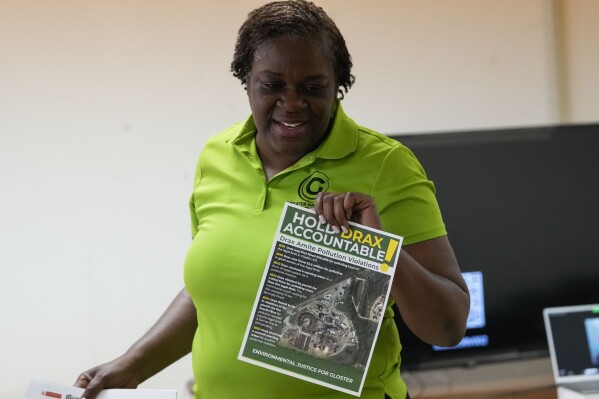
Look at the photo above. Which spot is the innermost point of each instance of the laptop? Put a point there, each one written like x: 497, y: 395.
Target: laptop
x: 573, y: 338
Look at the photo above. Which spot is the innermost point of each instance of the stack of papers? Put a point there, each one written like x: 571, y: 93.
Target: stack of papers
x: 39, y: 389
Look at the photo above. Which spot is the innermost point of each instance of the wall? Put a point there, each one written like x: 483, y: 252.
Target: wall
x: 579, y: 60
x: 105, y: 105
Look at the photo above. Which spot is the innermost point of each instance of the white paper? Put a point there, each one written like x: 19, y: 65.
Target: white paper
x: 40, y: 389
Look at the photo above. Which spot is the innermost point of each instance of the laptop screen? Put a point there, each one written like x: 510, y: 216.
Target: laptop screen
x: 573, y: 337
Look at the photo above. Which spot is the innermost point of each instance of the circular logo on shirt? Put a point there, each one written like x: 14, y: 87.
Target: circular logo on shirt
x: 312, y: 185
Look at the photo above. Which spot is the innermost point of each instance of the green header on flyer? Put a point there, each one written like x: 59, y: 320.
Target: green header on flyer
x: 372, y: 245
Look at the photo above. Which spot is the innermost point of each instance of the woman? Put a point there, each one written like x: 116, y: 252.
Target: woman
x: 297, y: 146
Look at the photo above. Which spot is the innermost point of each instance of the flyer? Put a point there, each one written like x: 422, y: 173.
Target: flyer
x: 321, y: 300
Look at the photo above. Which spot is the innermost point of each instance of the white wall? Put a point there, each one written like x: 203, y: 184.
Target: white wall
x: 579, y: 60
x: 105, y: 105
x: 434, y: 65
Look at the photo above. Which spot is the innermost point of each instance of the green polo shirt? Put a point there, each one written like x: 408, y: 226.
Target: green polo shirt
x: 235, y: 213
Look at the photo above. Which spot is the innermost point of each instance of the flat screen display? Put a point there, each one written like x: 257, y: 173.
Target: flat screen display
x: 521, y: 207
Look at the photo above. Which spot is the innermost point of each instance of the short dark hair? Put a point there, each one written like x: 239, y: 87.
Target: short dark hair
x: 298, y: 18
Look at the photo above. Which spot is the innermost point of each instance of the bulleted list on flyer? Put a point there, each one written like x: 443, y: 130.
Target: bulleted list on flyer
x: 321, y: 300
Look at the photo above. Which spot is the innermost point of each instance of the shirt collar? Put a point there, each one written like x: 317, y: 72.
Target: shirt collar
x: 343, y: 138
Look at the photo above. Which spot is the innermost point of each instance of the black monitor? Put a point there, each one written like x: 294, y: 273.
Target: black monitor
x: 521, y: 208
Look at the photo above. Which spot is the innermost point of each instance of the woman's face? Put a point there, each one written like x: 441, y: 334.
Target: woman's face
x: 292, y: 93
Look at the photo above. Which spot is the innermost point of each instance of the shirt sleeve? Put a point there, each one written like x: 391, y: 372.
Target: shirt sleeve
x: 192, y: 205
x: 406, y: 198
x: 194, y: 217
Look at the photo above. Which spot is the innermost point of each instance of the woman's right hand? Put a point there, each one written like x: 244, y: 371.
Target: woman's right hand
x: 119, y: 373
x: 168, y: 340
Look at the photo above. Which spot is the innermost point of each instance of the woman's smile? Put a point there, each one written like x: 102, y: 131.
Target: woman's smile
x: 291, y: 129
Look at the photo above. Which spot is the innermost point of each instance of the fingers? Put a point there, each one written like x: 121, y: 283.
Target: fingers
x: 106, y: 376
x: 330, y: 208
x: 92, y: 385
x: 337, y: 209
x: 91, y: 392
x: 82, y: 381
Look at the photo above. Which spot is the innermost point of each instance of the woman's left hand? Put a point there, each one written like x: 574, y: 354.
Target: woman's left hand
x: 337, y: 209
